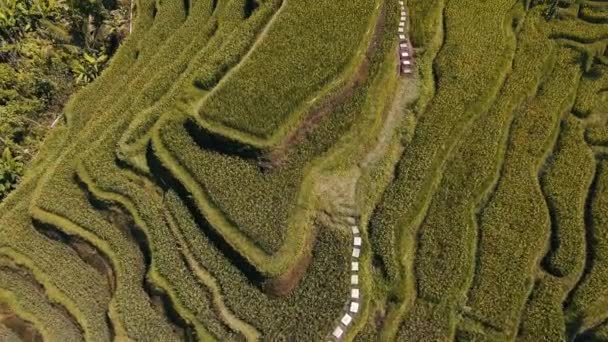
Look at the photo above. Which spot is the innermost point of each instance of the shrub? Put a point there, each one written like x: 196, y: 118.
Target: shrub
x: 11, y: 169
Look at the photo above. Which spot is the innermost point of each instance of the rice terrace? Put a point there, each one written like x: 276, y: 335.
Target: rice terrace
x: 299, y: 170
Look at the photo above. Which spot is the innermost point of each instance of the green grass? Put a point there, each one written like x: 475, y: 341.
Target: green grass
x: 227, y: 37
x: 436, y: 133
x: 189, y: 299
x: 383, y: 240
x: 128, y: 299
x: 439, y: 250
x: 128, y: 265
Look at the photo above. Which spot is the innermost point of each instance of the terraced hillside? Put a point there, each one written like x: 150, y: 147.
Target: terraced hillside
x: 276, y: 170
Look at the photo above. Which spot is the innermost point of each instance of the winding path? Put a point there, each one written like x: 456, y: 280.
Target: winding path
x: 353, y: 304
x: 352, y: 308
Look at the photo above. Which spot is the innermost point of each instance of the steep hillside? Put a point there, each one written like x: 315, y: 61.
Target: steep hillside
x: 298, y: 170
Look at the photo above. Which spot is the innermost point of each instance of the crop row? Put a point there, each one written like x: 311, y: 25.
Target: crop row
x: 542, y: 318
x: 116, y: 100
x: 364, y: 158
x: 590, y: 101
x: 576, y: 30
x: 228, y: 43
x: 447, y: 239
x: 29, y: 302
x: 597, y: 135
x: 83, y: 106
x: 306, y: 313
x: 594, y: 12
x: 437, y: 132
x: 116, y: 186
x: 191, y: 301
x: 71, y: 282
x: 273, y: 317
x: 90, y: 310
x: 588, y: 301
x: 109, y: 182
x: 446, y: 250
x: 212, y: 52
x: 514, y: 224
x: 264, y: 99
x: 71, y: 212
x: 255, y: 212
x: 138, y: 321
x: 427, y: 36
x: 228, y: 317
x: 381, y: 238
x: 565, y: 183
x: 66, y: 278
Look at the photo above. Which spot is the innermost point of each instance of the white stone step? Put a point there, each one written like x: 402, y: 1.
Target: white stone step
x: 338, y: 332
x: 346, y: 319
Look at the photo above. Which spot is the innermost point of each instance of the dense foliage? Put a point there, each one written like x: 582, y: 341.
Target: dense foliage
x: 48, y: 50
x: 10, y: 170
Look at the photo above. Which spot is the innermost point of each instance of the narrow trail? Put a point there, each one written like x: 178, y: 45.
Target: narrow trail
x: 386, y: 133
